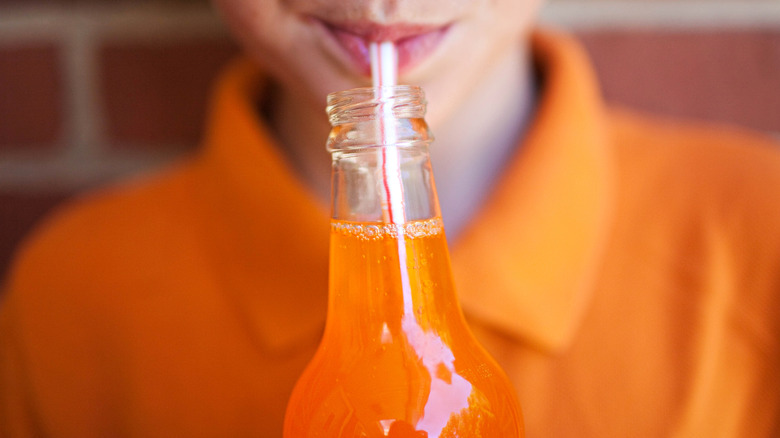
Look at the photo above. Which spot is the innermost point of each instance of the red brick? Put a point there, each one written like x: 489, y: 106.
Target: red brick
x: 731, y: 76
x: 31, y: 96
x: 19, y: 213
x: 156, y: 93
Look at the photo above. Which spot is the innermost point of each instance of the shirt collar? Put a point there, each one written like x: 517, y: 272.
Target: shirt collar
x: 525, y: 266
x: 270, y: 233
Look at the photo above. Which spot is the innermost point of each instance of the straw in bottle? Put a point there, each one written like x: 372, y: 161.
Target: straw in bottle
x: 384, y: 73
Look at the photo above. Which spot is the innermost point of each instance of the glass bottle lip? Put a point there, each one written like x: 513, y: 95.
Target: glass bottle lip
x: 367, y: 103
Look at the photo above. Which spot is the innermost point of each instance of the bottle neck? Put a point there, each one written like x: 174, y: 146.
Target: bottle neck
x: 381, y: 164
x: 389, y: 263
x: 361, y: 180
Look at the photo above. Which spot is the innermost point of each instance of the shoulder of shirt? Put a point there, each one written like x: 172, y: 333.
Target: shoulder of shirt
x: 725, y: 162
x: 722, y: 182
x: 722, y: 145
x: 104, y: 233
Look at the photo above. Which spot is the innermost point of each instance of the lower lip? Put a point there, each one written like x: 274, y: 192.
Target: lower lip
x: 411, y: 50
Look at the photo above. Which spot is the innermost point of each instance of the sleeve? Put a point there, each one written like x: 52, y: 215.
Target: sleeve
x: 52, y: 366
x: 16, y: 405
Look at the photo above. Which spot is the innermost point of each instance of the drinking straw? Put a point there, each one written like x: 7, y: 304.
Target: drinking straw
x: 384, y: 73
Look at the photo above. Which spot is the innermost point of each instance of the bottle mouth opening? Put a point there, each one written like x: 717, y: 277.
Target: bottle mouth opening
x: 368, y: 103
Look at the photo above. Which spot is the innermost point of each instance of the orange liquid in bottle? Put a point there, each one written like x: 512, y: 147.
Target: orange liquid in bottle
x: 396, y: 358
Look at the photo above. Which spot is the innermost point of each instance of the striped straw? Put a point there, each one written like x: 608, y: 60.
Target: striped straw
x: 384, y: 73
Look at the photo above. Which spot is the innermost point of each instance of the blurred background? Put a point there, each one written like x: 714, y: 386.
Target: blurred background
x: 94, y: 90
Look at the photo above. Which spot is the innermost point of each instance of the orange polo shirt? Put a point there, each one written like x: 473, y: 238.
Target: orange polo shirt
x: 625, y: 272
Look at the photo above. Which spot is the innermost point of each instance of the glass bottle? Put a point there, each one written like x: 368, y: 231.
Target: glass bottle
x: 396, y: 358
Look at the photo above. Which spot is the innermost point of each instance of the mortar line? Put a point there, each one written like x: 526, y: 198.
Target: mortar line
x: 85, y: 119
x: 656, y: 15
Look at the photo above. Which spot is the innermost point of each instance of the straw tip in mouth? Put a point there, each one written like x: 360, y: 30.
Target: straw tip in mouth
x: 384, y: 63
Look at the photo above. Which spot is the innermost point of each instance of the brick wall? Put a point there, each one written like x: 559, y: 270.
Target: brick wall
x: 94, y: 90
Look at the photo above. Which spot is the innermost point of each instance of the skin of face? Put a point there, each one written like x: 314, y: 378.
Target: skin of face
x: 291, y: 41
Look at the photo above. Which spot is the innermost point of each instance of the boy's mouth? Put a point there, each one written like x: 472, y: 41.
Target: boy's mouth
x: 413, y: 42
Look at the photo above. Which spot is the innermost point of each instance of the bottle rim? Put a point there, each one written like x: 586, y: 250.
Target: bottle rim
x: 369, y: 103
